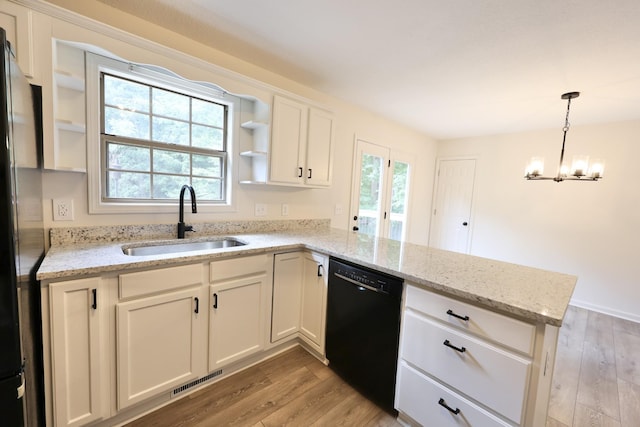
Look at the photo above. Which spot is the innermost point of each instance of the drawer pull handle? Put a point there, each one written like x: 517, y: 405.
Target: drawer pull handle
x: 448, y: 344
x: 442, y: 403
x: 451, y: 313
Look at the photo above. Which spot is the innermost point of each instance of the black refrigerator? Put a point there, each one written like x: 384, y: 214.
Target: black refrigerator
x: 21, y: 240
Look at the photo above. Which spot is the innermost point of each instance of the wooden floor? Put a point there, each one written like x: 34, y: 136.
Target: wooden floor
x: 596, y: 383
x: 597, y: 373
x: 293, y: 388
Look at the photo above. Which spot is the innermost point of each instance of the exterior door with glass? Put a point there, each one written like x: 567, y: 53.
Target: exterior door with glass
x: 381, y: 191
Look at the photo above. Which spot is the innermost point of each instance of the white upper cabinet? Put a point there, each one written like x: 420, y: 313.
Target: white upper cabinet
x: 17, y: 22
x: 301, y: 144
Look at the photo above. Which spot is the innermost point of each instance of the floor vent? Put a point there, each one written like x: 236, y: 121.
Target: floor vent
x: 199, y: 381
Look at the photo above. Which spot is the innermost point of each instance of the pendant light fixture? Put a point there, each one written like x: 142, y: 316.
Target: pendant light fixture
x: 580, y: 170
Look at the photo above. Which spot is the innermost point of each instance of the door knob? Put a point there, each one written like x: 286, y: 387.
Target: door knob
x: 355, y: 228
x: 355, y: 218
x: 465, y: 223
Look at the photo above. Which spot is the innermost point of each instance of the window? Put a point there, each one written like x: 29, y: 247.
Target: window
x: 155, y: 140
x: 155, y: 132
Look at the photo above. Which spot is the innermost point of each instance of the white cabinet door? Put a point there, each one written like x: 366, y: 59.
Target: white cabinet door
x: 319, y: 148
x: 77, y: 335
x: 301, y: 144
x: 288, y: 141
x: 287, y: 288
x: 236, y: 321
x: 157, y: 344
x: 314, y: 300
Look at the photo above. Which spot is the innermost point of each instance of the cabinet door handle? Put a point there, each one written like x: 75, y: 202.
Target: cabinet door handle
x: 320, y: 270
x: 215, y: 301
x: 94, y: 299
x: 197, y: 310
x: 442, y: 403
x: 309, y: 177
x: 448, y: 344
x: 451, y: 313
x: 300, y: 172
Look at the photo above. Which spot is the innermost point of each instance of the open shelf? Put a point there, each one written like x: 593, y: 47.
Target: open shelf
x: 253, y: 153
x: 69, y: 80
x: 70, y: 126
x: 251, y: 124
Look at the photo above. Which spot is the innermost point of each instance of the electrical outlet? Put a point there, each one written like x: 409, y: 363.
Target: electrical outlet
x: 285, y: 209
x: 261, y: 209
x: 63, y: 209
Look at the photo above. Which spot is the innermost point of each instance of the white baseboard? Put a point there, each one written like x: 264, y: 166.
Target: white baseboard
x: 634, y: 317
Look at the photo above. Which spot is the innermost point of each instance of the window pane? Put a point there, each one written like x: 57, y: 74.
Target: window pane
x: 208, y: 166
x: 128, y: 185
x: 168, y: 186
x: 167, y: 161
x: 125, y: 94
x: 170, y: 131
x: 370, y: 193
x: 207, y: 188
x: 207, y: 137
x: 126, y: 123
x: 399, y: 190
x: 128, y: 157
x: 207, y: 113
x: 170, y: 104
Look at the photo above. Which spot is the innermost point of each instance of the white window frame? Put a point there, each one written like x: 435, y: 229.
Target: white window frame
x: 155, y: 76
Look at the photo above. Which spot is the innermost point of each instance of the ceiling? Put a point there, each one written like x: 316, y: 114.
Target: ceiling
x: 449, y: 69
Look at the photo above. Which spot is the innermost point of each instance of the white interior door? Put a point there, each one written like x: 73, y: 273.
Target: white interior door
x: 380, y: 191
x: 451, y: 219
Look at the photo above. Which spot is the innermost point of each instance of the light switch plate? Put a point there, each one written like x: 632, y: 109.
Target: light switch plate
x: 285, y: 209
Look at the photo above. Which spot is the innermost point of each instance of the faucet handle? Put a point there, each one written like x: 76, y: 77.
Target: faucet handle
x: 189, y: 228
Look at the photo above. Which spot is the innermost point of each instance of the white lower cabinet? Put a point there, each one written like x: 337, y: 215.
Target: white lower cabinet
x: 287, y: 294
x: 238, y: 313
x: 158, y: 344
x: 78, y: 346
x: 487, y: 374
x: 431, y: 404
x: 314, y: 300
x: 464, y: 365
x: 300, y: 298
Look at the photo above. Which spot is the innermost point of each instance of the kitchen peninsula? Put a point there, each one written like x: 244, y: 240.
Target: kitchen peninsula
x: 512, y: 311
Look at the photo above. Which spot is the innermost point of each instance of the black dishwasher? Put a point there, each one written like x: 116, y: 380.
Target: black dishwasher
x: 363, y: 329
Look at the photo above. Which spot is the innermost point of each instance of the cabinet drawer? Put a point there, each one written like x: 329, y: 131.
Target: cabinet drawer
x: 238, y: 267
x: 419, y: 397
x: 493, y: 326
x: 160, y: 280
x: 490, y: 375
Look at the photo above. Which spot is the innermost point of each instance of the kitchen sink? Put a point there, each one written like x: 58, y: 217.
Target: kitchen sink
x: 163, y: 249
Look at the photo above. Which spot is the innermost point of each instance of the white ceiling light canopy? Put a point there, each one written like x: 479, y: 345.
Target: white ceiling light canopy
x: 580, y: 170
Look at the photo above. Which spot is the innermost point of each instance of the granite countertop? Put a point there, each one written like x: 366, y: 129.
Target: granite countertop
x: 534, y: 294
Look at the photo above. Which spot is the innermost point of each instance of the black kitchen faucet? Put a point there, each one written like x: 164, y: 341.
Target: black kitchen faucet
x: 181, y: 227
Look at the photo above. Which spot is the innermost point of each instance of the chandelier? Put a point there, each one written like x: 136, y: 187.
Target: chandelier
x: 580, y: 170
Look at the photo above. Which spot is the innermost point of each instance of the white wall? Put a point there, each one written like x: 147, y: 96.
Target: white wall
x: 303, y: 203
x: 589, y: 229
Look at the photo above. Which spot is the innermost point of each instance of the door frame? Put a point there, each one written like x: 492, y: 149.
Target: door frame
x: 474, y: 195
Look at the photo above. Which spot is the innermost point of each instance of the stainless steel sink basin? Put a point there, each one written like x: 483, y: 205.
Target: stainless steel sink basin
x: 181, y: 247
